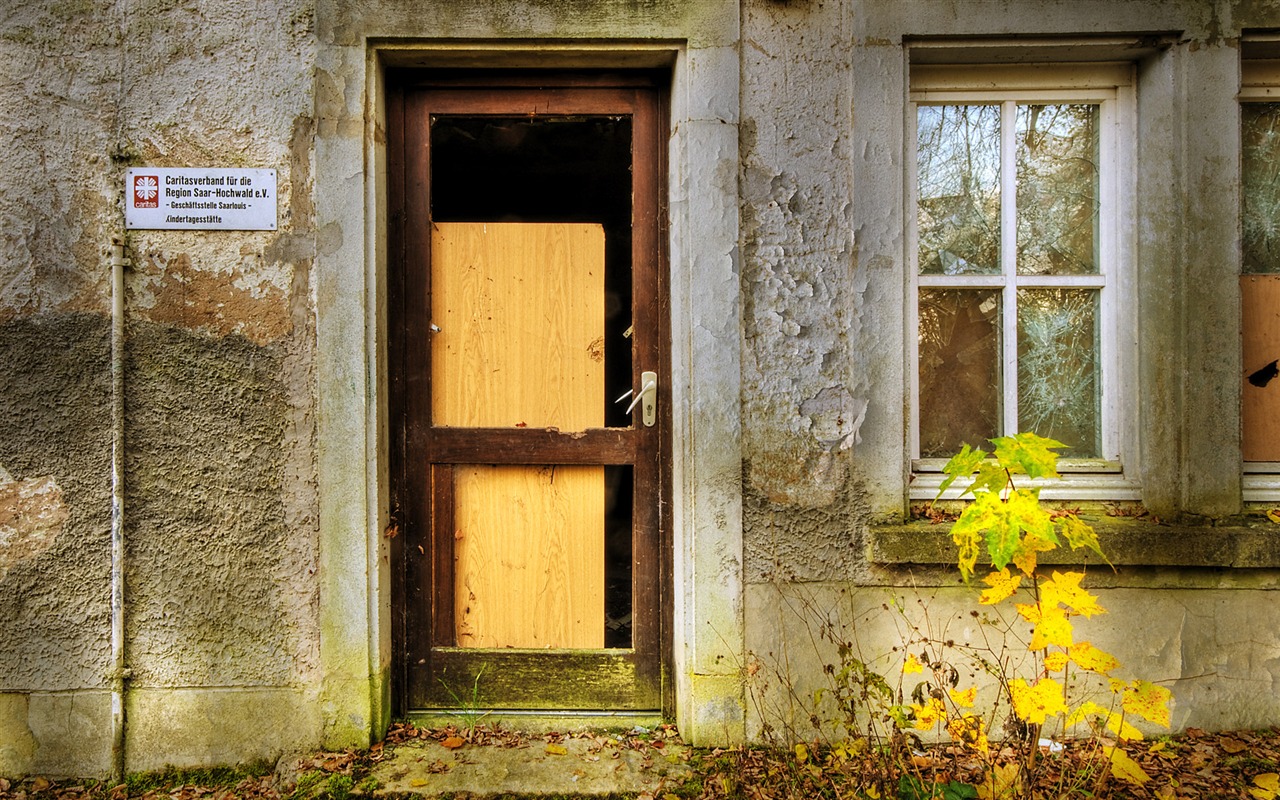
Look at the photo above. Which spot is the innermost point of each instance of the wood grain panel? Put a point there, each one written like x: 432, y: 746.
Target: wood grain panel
x: 529, y: 550
x: 520, y: 307
x: 1260, y: 397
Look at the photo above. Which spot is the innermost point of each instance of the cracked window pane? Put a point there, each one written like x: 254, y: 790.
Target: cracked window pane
x: 958, y: 171
x: 1058, y: 375
x: 959, y: 369
x: 1057, y: 179
x: 1260, y: 165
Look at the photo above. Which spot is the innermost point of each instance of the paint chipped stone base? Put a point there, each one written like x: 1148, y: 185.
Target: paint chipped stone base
x: 68, y: 734
x: 1202, y: 644
x: 57, y: 734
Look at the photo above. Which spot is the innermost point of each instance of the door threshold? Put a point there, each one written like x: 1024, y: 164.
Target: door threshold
x: 537, y: 721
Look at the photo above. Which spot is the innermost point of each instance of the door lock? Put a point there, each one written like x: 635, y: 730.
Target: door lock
x: 646, y: 398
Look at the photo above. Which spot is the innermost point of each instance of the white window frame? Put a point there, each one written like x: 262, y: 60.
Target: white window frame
x: 1259, y: 83
x: 1111, y: 86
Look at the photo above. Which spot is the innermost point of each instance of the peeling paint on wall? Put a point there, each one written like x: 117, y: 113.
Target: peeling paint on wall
x: 32, y: 515
x: 800, y: 415
x: 249, y: 299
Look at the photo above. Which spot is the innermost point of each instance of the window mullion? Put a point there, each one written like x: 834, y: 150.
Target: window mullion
x: 1009, y: 266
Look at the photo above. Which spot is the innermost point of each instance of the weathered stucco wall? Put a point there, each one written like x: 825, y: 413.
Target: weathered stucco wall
x: 220, y: 502
x: 257, y: 587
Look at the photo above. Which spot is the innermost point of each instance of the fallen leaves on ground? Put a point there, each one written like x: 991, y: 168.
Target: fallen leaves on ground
x: 1195, y: 765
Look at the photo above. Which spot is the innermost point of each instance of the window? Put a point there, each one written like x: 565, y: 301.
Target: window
x: 1017, y: 263
x: 1260, y: 278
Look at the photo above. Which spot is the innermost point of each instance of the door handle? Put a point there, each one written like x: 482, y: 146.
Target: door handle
x: 646, y: 398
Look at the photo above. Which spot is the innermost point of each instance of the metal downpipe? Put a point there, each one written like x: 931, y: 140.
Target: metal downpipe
x: 119, y: 673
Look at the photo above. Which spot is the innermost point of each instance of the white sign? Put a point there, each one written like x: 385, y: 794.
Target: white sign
x: 189, y: 199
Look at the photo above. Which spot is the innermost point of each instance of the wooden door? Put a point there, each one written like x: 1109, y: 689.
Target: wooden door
x: 527, y: 299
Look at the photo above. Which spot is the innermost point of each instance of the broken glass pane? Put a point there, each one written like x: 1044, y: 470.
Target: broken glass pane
x: 1058, y: 386
x: 959, y: 369
x: 958, y: 208
x: 1057, y: 156
x: 1260, y: 157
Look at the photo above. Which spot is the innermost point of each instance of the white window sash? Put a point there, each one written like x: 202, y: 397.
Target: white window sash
x: 1117, y: 338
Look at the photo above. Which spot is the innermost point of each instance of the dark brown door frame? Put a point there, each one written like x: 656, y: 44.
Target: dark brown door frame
x: 634, y: 679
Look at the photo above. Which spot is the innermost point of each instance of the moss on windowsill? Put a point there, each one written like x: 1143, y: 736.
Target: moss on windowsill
x: 1245, y: 543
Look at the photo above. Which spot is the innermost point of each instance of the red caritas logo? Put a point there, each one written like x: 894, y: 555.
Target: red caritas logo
x: 146, y: 191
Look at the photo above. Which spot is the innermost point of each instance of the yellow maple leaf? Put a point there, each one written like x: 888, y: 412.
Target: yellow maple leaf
x: 1056, y: 661
x: 1124, y: 767
x: 1092, y: 659
x: 1064, y: 588
x: 1146, y: 700
x: 1114, y: 722
x: 1036, y: 703
x: 1029, y: 611
x: 929, y: 715
x: 1003, y: 584
x: 1004, y: 782
x: 969, y: 730
x: 1024, y: 557
x: 1052, y: 628
x: 1265, y: 786
x: 964, y: 699
x: 912, y: 665
x: 1087, y: 709
x: 1122, y: 729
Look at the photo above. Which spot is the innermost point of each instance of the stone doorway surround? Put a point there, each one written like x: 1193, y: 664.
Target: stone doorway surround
x: 700, y: 48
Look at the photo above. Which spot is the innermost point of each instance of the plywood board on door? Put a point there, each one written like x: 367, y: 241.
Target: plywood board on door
x: 529, y: 549
x: 520, y: 313
x: 1260, y: 388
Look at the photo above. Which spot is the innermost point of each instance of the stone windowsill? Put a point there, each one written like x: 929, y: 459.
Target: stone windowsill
x: 1254, y: 545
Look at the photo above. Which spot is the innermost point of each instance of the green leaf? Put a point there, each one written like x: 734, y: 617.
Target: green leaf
x: 912, y: 788
x: 1080, y: 534
x: 961, y: 465
x: 1021, y: 512
x: 991, y: 477
x: 1032, y: 517
x: 967, y: 532
x: 1029, y: 454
